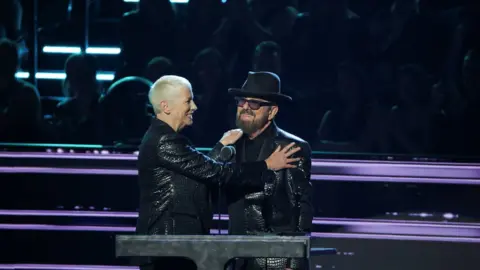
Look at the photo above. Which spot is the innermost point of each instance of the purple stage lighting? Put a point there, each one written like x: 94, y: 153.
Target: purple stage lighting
x: 81, y: 171
x: 65, y: 267
x: 76, y: 228
x: 395, y: 169
x: 314, y: 177
x: 25, y: 155
x: 419, y: 229
x: 374, y: 178
x: 379, y: 236
x: 322, y: 170
x: 72, y: 213
x: 68, y: 213
x: 396, y: 237
x: 316, y: 220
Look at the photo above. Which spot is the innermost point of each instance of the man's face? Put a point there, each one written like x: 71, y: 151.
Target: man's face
x: 253, y: 114
x: 182, y: 107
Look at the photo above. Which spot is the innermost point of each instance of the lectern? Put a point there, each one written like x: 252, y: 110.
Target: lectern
x: 212, y: 252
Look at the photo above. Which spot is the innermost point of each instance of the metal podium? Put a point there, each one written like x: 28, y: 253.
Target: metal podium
x: 213, y: 252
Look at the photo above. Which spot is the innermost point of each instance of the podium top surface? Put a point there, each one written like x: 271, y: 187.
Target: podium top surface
x: 213, y: 238
x: 227, y: 246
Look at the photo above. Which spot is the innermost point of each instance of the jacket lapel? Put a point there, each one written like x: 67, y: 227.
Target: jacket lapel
x: 269, y: 144
x: 267, y: 149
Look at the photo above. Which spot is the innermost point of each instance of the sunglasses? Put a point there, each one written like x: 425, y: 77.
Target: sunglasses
x: 252, y: 104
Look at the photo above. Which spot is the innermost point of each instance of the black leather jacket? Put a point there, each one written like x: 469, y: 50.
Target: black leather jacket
x: 284, y: 206
x: 174, y: 181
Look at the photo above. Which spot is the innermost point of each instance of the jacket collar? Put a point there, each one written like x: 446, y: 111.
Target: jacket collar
x: 268, y: 136
x: 160, y: 125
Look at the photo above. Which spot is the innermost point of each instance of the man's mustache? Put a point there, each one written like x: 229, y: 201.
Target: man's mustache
x: 247, y: 112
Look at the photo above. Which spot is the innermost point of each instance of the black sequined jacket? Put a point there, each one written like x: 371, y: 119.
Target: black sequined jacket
x: 175, y: 179
x: 284, y: 206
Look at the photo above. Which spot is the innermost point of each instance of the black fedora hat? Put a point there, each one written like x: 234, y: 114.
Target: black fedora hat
x: 264, y: 85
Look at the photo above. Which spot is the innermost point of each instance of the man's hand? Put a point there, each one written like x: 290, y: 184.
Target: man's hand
x: 280, y: 159
x: 231, y: 136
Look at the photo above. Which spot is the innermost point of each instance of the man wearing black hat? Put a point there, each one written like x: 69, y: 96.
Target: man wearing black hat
x: 174, y: 178
x: 285, y: 205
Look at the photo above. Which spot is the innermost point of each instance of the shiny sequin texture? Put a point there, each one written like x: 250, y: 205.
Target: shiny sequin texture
x: 175, y: 181
x: 284, y: 206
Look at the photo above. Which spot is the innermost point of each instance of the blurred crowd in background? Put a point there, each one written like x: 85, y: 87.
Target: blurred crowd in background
x: 376, y: 76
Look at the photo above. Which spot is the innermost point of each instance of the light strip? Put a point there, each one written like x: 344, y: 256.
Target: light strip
x: 101, y: 76
x: 420, y: 229
x: 374, y: 178
x: 396, y: 237
x: 330, y: 168
x: 320, y: 221
x: 358, y: 165
x: 322, y: 170
x: 81, y: 171
x: 105, y: 155
x: 315, y: 162
x: 65, y: 267
x: 103, y: 50
x: 134, y: 172
x: 68, y: 213
x: 22, y: 75
x: 316, y: 220
x: 51, y: 75
x: 396, y: 169
x: 105, y: 76
x: 53, y: 145
x: 61, y: 49
x: 48, y: 227
x: 323, y: 220
x: 99, y: 156
x: 71, y: 213
x: 171, y: 1
x: 76, y: 228
x: 76, y: 49
x: 353, y: 226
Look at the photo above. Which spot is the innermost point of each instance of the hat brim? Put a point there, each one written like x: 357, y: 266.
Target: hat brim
x: 273, y: 97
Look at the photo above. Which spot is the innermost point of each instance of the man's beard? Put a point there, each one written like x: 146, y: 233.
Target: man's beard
x: 251, y: 126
